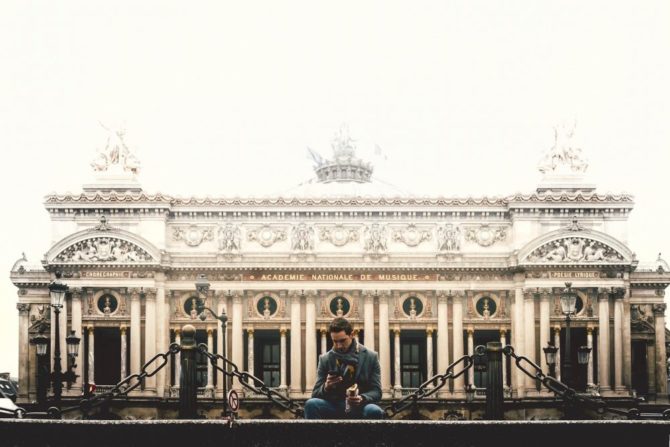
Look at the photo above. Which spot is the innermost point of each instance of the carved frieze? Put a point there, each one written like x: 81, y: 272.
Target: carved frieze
x: 193, y: 235
x: 448, y: 238
x: 339, y: 235
x: 376, y: 238
x: 574, y: 249
x: 485, y: 235
x: 302, y: 237
x: 229, y: 236
x: 411, y: 235
x: 266, y: 235
x: 103, y: 249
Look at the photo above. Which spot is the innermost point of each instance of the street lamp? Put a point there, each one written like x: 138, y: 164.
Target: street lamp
x: 568, y: 304
x: 550, y: 355
x: 202, y: 287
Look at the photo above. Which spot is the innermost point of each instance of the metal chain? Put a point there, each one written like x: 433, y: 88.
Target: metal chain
x: 429, y: 387
x: 252, y: 383
x: 571, y: 395
x: 125, y: 386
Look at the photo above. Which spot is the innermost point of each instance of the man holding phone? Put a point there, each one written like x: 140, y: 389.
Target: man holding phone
x: 348, y: 383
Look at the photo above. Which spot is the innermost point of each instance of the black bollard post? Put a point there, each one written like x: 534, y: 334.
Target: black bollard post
x: 188, y: 391
x: 494, y: 382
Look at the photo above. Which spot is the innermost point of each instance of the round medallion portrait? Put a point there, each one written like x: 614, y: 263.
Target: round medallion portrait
x: 107, y: 304
x: 412, y: 306
x: 266, y: 306
x: 190, y: 306
x: 339, y: 306
x: 486, y: 306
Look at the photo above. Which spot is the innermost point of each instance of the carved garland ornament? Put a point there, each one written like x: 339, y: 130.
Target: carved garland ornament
x: 193, y: 235
x: 575, y: 249
x: 266, y: 235
x: 103, y: 249
x: 485, y: 235
x: 339, y: 235
x: 411, y: 235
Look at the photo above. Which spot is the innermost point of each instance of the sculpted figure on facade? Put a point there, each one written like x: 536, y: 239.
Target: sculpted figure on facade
x: 375, y: 238
x: 229, y: 238
x: 103, y: 249
x: 448, y: 238
x: 564, y: 157
x: 193, y: 235
x: 266, y: 235
x: 302, y: 237
x: 575, y: 249
x: 485, y: 236
x: 411, y: 235
x: 116, y: 156
x: 338, y: 235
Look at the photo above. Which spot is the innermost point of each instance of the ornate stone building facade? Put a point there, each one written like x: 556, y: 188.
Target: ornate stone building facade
x: 423, y: 280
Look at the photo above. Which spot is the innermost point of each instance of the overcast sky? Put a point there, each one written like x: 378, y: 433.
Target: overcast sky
x: 224, y: 98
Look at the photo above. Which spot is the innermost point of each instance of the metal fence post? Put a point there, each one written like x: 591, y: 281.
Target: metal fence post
x: 188, y: 391
x: 494, y: 382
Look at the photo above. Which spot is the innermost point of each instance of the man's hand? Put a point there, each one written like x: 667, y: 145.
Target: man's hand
x: 331, y: 381
x: 355, y: 401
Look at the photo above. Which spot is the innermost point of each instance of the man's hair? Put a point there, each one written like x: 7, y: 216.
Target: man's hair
x: 340, y: 324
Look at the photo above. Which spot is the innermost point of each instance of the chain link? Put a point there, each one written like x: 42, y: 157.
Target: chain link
x: 121, y: 389
x: 250, y: 382
x: 570, y: 395
x: 429, y: 387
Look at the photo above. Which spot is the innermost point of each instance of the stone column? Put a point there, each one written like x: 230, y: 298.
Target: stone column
x: 557, y: 343
x: 369, y: 319
x: 150, y: 334
x: 296, y: 345
x: 603, y: 340
x: 618, y: 342
x: 471, y: 351
x: 250, y: 350
x: 161, y: 331
x: 545, y: 330
x: 651, y: 367
x: 457, y: 323
x: 627, y: 343
x: 503, y: 343
x: 661, y: 370
x: 210, y: 370
x: 384, y: 341
x: 529, y: 336
x: 75, y: 325
x: 124, y: 349
x: 590, y: 380
x: 398, y: 381
x: 310, y: 340
x: 24, y: 351
x: 429, y: 353
x: 518, y: 379
x: 282, y: 363
x: 91, y: 355
x: 177, y: 358
x: 442, y: 336
x: 135, y: 334
x: 324, y: 344
x: 63, y: 334
x: 220, y: 306
x: 237, y: 354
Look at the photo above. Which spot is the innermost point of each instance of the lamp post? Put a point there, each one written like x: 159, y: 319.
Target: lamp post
x: 202, y: 287
x: 550, y: 355
x: 568, y: 303
x: 57, y: 291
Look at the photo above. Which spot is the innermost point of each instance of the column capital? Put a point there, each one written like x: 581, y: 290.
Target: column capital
x: 429, y: 331
x: 589, y: 330
x: 557, y: 329
x: 619, y: 293
x: 76, y: 292
x: 457, y: 295
x: 250, y: 331
x: 659, y: 309
x: 123, y: 330
x: 210, y: 332
x: 396, y: 331
x: 470, y: 330
x: 177, y: 331
x: 23, y: 308
x: 134, y: 293
x: 529, y: 293
x: 323, y: 330
x: 150, y: 293
x: 369, y: 297
x: 90, y: 330
x: 295, y: 295
x: 545, y: 292
x: 503, y: 332
x: 282, y: 331
x: 310, y: 294
x: 603, y: 293
x: 442, y: 296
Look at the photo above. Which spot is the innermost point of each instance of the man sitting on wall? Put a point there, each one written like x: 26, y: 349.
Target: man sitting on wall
x: 348, y: 383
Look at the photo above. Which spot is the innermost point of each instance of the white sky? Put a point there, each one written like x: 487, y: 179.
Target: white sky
x: 223, y: 99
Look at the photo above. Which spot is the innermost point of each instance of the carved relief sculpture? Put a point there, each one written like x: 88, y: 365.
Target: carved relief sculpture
x: 103, y: 249
x: 302, y: 238
x: 338, y: 235
x: 266, y: 235
x: 485, y: 236
x: 375, y: 238
x: 229, y: 238
x: 575, y: 249
x: 193, y: 235
x: 116, y: 156
x: 448, y: 238
x: 411, y: 235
